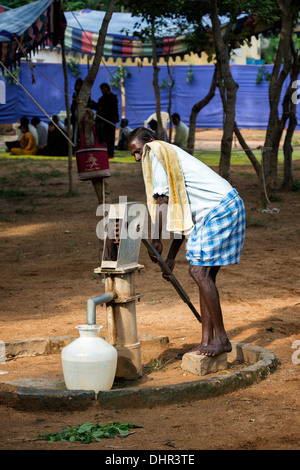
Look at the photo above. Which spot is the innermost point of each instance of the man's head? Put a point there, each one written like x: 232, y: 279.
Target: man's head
x: 105, y: 88
x: 51, y: 127
x: 137, y: 139
x: 78, y: 84
x: 175, y: 119
x: 124, y: 123
x: 35, y: 121
x: 24, y: 122
x: 24, y: 128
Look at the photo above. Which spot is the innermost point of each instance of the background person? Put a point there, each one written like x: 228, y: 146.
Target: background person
x: 181, y: 132
x: 27, y: 143
x: 106, y: 107
x: 42, y: 130
x: 24, y: 121
x: 57, y: 144
x: 123, y: 135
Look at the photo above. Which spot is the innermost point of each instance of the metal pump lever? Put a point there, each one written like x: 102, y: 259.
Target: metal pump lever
x: 166, y: 270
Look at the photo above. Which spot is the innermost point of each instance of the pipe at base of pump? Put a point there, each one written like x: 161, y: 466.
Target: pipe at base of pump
x: 93, y: 302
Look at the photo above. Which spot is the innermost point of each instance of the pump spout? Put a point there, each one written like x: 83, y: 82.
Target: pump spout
x: 93, y: 302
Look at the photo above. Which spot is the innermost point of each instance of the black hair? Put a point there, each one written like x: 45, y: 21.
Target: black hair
x: 176, y: 115
x: 35, y: 120
x: 105, y: 85
x: 124, y: 122
x: 143, y: 134
x: 153, y: 124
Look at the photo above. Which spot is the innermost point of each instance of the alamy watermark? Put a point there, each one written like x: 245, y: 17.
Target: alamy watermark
x: 296, y: 94
x: 130, y: 221
x: 296, y: 354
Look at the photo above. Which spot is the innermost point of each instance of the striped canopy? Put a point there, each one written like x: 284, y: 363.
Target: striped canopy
x: 27, y: 28
x: 83, y: 27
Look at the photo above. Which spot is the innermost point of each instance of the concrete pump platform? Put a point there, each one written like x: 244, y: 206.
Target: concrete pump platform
x: 35, y: 390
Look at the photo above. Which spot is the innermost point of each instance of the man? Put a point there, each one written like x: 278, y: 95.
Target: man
x: 203, y: 207
x: 42, y: 130
x: 107, y: 108
x: 181, y: 132
x: 123, y: 135
x: 57, y: 144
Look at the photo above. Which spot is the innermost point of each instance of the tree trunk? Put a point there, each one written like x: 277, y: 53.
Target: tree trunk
x: 156, y: 69
x: 197, y: 108
x: 279, y: 74
x: 288, y: 153
x: 89, y: 80
x: 287, y: 146
x: 262, y: 199
x: 229, y: 93
x: 100, y: 185
x: 70, y: 147
x: 170, y: 99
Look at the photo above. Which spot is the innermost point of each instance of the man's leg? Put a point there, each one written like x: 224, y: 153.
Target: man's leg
x: 214, y: 338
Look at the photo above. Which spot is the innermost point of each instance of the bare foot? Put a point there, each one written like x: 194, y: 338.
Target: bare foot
x: 216, y: 347
x: 199, y: 349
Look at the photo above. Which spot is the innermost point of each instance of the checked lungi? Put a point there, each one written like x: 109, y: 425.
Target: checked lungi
x: 219, y: 239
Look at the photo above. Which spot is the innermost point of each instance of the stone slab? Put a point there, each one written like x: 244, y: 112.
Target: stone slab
x: 203, y: 365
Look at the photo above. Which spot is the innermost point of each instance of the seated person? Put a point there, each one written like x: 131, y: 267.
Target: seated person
x: 42, y: 130
x: 27, y: 143
x: 32, y: 130
x: 153, y: 126
x: 123, y: 135
x: 181, y: 133
x: 57, y: 144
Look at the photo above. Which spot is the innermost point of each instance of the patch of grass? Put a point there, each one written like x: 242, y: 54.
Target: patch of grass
x: 158, y: 364
x: 295, y: 186
x: 15, y: 193
x: 39, y: 175
x: 255, y: 222
x: 87, y: 433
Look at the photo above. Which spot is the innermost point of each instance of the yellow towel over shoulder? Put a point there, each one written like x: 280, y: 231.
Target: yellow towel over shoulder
x: 179, y: 218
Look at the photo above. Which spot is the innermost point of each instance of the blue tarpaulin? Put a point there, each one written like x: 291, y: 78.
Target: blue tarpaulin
x: 252, y: 106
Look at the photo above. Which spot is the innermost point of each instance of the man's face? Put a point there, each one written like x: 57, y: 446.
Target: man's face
x: 136, y: 149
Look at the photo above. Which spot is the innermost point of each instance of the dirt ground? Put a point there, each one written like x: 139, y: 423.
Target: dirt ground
x: 49, y: 250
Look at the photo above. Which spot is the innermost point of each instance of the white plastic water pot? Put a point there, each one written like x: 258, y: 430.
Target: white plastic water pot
x: 89, y: 362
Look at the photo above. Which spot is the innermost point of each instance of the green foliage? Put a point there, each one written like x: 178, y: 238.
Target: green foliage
x: 74, y: 68
x: 165, y: 84
x: 87, y: 433
x: 262, y: 74
x: 15, y: 74
x: 190, y: 74
x: 117, y: 80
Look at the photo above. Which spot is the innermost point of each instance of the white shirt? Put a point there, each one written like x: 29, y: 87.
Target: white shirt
x: 181, y: 135
x: 204, y: 187
x: 42, y: 131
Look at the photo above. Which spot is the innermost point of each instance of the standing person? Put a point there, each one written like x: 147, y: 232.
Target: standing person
x: 42, y: 130
x: 123, y: 135
x: 181, y: 132
x: 27, y: 143
x: 107, y: 107
x: 201, y: 206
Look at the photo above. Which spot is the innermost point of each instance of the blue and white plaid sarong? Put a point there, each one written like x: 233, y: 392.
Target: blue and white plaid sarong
x: 219, y: 239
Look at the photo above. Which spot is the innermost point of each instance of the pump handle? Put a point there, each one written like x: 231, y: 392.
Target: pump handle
x: 166, y: 270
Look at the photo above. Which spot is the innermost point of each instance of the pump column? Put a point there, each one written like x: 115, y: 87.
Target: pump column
x: 121, y: 321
